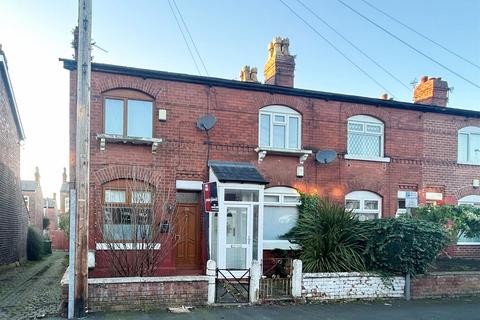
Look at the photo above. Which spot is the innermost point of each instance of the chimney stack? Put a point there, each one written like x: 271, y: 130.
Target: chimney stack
x: 432, y: 91
x: 248, y: 74
x: 64, y: 176
x: 280, y: 66
x: 37, y: 175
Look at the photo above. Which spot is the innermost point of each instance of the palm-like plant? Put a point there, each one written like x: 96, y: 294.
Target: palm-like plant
x: 331, y: 238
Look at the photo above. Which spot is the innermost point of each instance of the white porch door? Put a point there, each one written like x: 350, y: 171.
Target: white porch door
x: 238, y: 246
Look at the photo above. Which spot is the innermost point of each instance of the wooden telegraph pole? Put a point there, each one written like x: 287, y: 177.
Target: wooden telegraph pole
x: 82, y: 155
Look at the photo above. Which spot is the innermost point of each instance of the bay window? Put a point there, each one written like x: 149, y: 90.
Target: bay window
x: 472, y: 200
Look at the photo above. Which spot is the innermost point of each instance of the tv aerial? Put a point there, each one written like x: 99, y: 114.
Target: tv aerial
x: 325, y: 156
x: 206, y: 122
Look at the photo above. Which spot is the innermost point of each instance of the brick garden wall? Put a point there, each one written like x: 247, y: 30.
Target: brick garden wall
x: 446, y: 284
x: 13, y: 212
x: 143, y: 293
x: 350, y: 285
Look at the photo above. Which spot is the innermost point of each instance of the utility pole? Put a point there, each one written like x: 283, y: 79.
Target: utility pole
x: 82, y: 155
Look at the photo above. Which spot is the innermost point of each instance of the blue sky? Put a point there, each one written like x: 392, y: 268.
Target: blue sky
x: 228, y: 34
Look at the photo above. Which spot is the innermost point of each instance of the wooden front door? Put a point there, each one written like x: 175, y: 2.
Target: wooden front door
x: 188, y: 233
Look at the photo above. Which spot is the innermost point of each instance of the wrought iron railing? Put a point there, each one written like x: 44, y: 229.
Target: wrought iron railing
x: 232, y: 286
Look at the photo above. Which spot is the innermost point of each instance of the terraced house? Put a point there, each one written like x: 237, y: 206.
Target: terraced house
x: 261, y: 150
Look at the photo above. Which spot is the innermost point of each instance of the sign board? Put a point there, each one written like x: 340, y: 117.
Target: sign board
x: 411, y: 199
x: 210, y: 196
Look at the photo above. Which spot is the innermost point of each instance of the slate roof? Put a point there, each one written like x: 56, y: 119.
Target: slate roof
x: 236, y: 172
x: 29, y: 185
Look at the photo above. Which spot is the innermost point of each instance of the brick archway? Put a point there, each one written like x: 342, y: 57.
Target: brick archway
x: 111, y: 173
x: 145, y: 86
x: 466, y: 191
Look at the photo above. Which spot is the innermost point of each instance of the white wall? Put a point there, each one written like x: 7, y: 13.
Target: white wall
x: 351, y: 285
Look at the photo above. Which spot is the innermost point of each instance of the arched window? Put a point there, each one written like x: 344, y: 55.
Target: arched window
x: 280, y: 214
x: 127, y: 210
x: 128, y: 113
x: 365, y: 204
x: 472, y: 200
x: 365, y: 137
x: 469, y: 145
x: 280, y: 128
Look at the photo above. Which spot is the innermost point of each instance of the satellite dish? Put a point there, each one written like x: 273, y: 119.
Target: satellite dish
x: 326, y: 156
x: 206, y: 122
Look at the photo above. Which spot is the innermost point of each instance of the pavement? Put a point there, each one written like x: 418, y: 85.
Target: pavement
x: 451, y: 309
x: 32, y: 290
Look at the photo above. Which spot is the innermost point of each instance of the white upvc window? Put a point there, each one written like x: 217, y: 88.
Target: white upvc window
x: 280, y: 127
x: 280, y: 214
x: 365, y: 139
x: 469, y: 145
x: 401, y: 203
x: 472, y: 200
x: 365, y: 204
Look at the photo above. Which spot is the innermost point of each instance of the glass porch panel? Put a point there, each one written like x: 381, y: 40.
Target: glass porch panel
x: 241, y: 195
x: 236, y: 258
x: 236, y: 225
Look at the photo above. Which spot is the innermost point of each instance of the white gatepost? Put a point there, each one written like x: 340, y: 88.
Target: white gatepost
x: 255, y: 276
x: 297, y: 279
x: 212, y: 274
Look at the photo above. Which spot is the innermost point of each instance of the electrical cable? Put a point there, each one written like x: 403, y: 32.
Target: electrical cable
x: 335, y: 48
x: 190, y: 36
x: 184, y: 38
x: 353, y: 45
x: 422, y: 35
x: 409, y: 45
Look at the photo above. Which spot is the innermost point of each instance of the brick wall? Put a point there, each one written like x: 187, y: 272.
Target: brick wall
x: 35, y: 207
x: 446, y: 284
x: 143, y: 293
x: 350, y: 285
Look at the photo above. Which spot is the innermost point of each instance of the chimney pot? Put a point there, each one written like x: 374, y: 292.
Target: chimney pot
x: 248, y: 74
x: 280, y: 66
x: 432, y: 91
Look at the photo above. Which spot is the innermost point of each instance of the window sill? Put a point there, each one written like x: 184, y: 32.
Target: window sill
x: 279, y: 244
x: 360, y: 158
x: 112, y: 138
x: 300, y: 153
x: 469, y: 163
x: 125, y: 246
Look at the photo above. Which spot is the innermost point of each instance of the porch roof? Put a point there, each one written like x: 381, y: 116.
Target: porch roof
x: 242, y: 172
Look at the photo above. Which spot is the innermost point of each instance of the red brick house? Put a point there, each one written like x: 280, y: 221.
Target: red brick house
x: 33, y: 195
x: 13, y: 211
x: 262, y: 150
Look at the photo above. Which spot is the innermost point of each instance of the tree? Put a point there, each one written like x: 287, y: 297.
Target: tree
x: 458, y: 220
x: 138, y: 226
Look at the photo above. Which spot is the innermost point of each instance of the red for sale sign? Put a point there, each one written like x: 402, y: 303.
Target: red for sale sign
x: 210, y: 195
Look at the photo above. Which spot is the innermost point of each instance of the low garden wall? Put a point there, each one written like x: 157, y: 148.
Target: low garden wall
x: 351, y: 285
x: 140, y: 293
x: 446, y: 284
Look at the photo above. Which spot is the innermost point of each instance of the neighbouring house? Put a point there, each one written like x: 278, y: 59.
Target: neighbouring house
x: 51, y: 212
x: 33, y: 195
x: 59, y: 237
x: 64, y: 194
x: 13, y: 210
x: 262, y: 150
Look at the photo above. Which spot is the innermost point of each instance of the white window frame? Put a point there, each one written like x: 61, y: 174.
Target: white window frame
x: 26, y: 199
x: 363, y: 196
x: 401, y: 211
x: 281, y: 192
x: 473, y: 200
x: 364, y: 121
x: 468, y: 131
x: 288, y: 113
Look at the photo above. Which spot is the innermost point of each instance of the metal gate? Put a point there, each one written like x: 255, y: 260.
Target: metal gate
x: 232, y: 286
x: 277, y: 281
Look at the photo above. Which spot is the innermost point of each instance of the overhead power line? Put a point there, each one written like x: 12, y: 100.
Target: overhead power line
x: 409, y: 45
x: 335, y: 48
x: 353, y: 44
x: 422, y: 35
x: 184, y: 38
x: 190, y: 36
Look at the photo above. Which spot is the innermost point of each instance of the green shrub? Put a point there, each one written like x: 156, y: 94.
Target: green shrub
x: 34, y: 244
x: 403, y: 245
x: 459, y: 220
x: 331, y: 238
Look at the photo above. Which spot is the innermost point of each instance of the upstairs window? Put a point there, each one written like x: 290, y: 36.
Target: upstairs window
x: 469, y: 145
x: 365, y: 137
x: 365, y: 205
x: 128, y: 114
x: 280, y: 128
